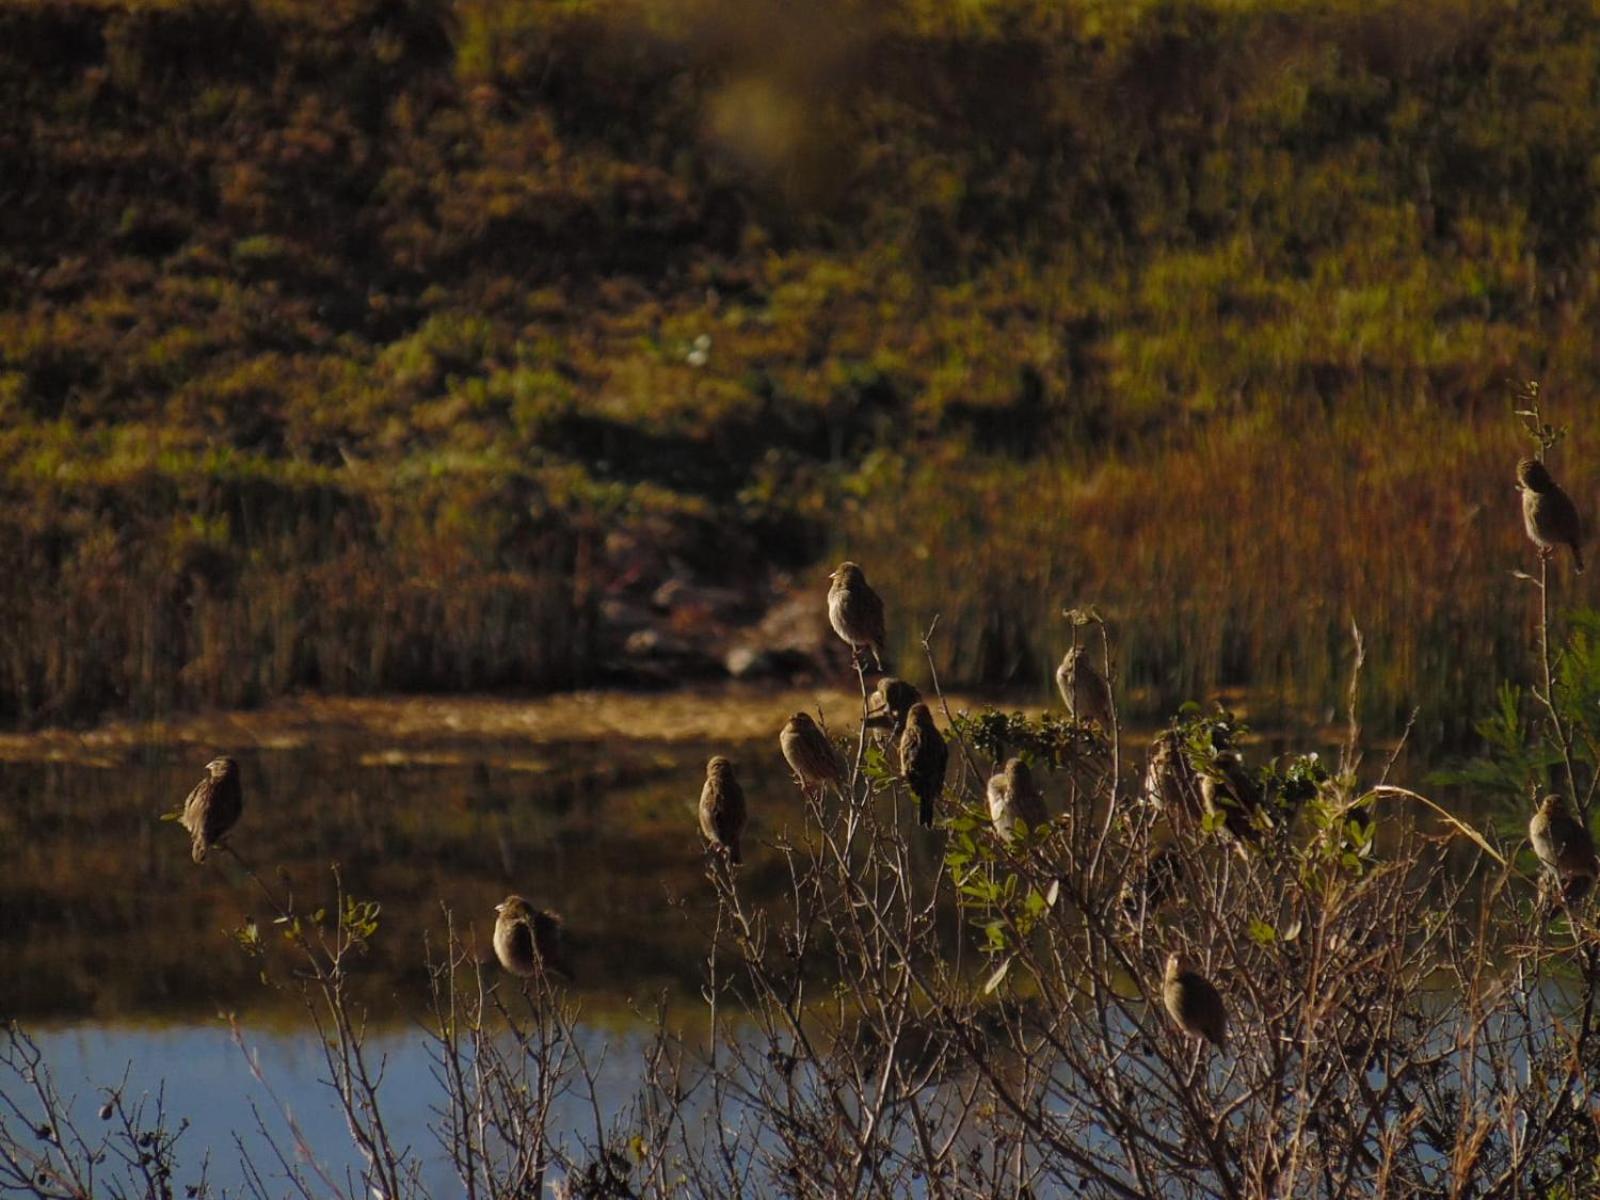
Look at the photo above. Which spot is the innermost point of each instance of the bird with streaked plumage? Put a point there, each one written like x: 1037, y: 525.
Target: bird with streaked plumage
x: 722, y: 809
x: 856, y: 612
x: 809, y: 753
x: 1565, y: 847
x: 528, y: 939
x: 1083, y: 689
x: 1013, y: 797
x: 924, y: 758
x: 1170, y: 785
x: 1548, y: 514
x: 1193, y: 1003
x: 1229, y: 788
x: 213, y: 807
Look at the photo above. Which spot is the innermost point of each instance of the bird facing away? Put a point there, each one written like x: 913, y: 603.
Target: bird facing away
x: 923, y: 759
x: 722, y: 812
x: 890, y: 705
x: 1194, y: 1004
x: 856, y: 612
x: 213, y: 807
x: 1548, y: 513
x: 1565, y: 846
x: 1169, y: 781
x: 809, y: 753
x: 1084, y: 690
x: 528, y: 939
x: 1013, y: 797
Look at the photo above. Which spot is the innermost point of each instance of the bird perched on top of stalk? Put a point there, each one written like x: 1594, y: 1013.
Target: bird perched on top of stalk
x: 809, y: 753
x: 528, y: 939
x: 1565, y: 846
x: 1548, y: 513
x: 213, y: 807
x: 856, y: 612
x: 924, y: 757
x: 890, y: 704
x: 1194, y: 1003
x: 1083, y: 689
x: 1013, y: 797
x: 722, y: 810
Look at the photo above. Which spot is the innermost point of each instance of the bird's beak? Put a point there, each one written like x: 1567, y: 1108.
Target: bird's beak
x: 499, y: 908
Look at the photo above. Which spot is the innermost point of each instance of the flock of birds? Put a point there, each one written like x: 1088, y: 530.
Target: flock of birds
x: 527, y: 940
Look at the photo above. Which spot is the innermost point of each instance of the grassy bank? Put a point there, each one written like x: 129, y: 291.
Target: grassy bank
x: 367, y: 346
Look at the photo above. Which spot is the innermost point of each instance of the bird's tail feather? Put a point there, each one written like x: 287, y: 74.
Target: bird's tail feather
x: 925, y: 812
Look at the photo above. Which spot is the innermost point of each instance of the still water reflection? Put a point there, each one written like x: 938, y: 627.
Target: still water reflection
x: 207, y: 1081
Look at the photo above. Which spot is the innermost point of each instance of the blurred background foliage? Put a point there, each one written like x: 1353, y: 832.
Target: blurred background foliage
x: 369, y: 344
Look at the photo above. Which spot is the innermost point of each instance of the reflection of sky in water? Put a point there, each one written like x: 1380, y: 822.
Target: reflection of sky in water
x: 208, y: 1081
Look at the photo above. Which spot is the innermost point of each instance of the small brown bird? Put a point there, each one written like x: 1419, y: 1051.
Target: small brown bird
x: 1230, y: 789
x: 1548, y: 513
x: 1155, y: 886
x: 1014, y: 797
x: 722, y: 811
x: 1083, y: 689
x: 1565, y: 846
x: 809, y: 753
x: 923, y: 760
x: 1169, y: 781
x: 213, y: 807
x: 528, y: 939
x: 1194, y: 1003
x: 856, y: 612
x: 890, y: 704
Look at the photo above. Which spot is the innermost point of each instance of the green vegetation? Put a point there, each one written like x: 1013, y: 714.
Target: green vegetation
x: 370, y: 344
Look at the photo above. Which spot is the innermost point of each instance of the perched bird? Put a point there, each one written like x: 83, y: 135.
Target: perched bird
x: 213, y: 807
x: 1169, y: 781
x: 1230, y: 789
x: 1084, y: 690
x: 1548, y: 513
x: 722, y: 812
x: 1565, y: 846
x: 528, y: 939
x: 1194, y: 1003
x: 1013, y: 797
x: 890, y: 704
x: 923, y: 759
x: 809, y: 753
x: 1156, y: 885
x: 856, y: 612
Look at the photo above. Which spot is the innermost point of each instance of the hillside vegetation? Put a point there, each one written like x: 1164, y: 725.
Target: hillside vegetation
x: 375, y: 344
